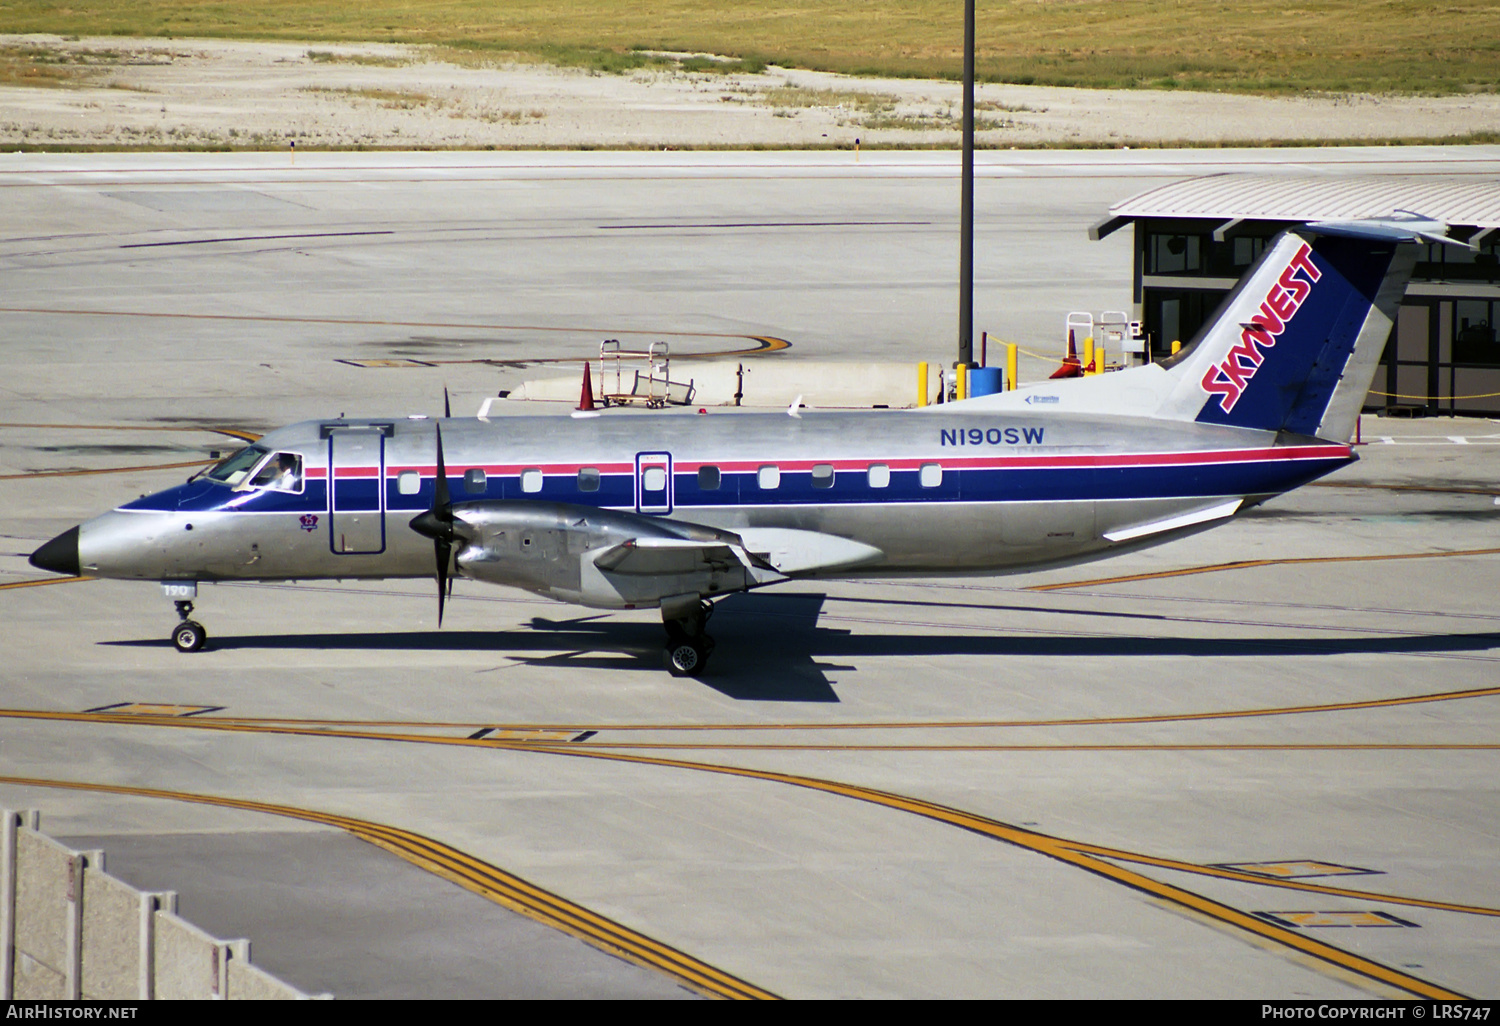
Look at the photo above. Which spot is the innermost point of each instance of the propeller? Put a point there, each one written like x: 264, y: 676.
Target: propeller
x: 437, y: 524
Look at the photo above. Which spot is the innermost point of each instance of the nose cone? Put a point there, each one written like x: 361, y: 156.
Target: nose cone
x: 60, y: 555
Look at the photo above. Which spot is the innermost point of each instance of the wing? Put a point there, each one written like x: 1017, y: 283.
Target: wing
x: 614, y: 559
x: 647, y: 556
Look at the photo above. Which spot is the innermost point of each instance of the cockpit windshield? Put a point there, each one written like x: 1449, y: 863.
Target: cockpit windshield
x: 232, y: 470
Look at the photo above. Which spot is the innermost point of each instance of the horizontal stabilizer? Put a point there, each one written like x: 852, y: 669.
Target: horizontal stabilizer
x: 1202, y: 516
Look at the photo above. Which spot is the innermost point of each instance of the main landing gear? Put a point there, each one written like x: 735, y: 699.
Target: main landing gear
x: 189, y: 635
x: 688, y: 644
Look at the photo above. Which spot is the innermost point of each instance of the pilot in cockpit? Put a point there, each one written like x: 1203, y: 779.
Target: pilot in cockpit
x: 282, y: 473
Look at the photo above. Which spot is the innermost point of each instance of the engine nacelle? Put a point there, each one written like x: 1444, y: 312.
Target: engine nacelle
x: 594, y: 557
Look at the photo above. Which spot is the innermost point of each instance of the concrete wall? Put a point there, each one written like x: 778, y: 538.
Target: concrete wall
x: 69, y: 930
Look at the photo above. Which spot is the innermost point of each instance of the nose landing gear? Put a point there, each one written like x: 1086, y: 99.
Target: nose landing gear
x: 688, y: 644
x: 189, y: 635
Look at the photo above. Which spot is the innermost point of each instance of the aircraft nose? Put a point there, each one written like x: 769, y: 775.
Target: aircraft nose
x: 60, y: 555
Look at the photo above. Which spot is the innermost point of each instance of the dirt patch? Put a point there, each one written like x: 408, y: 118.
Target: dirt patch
x: 166, y: 94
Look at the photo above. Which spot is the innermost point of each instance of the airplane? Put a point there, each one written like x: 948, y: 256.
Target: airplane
x: 621, y: 511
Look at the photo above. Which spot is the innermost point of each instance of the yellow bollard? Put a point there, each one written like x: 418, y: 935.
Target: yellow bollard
x: 1176, y: 347
x: 961, y: 381
x: 922, y: 383
x: 1088, y: 355
x: 1012, y: 360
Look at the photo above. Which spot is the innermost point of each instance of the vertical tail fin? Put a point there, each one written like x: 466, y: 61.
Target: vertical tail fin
x: 1295, y: 346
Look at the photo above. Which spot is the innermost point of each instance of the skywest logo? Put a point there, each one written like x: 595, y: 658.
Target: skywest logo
x: 1229, y: 379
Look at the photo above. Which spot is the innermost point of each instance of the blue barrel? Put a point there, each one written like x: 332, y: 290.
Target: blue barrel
x: 985, y: 381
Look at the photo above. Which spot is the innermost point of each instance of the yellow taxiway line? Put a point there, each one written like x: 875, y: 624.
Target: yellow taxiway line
x: 1093, y: 858
x: 105, y: 470
x: 44, y: 582
x: 244, y: 436
x: 1066, y: 852
x: 1245, y: 564
x: 1218, y: 714
x: 767, y: 343
x: 475, y: 875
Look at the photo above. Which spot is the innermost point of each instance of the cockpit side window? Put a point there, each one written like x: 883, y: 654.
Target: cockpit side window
x: 232, y: 469
x: 281, y: 473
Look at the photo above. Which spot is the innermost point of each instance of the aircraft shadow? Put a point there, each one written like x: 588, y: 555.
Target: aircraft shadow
x: 771, y: 648
x: 757, y: 659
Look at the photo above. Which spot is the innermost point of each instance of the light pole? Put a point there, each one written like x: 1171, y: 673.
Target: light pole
x: 966, y: 216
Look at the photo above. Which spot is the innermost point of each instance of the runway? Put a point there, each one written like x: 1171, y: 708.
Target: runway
x: 1255, y: 764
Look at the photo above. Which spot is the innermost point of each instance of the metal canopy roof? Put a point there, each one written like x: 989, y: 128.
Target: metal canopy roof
x: 1226, y: 197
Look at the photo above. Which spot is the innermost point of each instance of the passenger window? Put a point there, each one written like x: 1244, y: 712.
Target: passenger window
x: 474, y: 481
x: 408, y: 482
x: 822, y: 475
x: 531, y: 480
x: 768, y: 478
x: 588, y: 479
x: 281, y: 473
x: 709, y: 478
x: 654, y: 479
x: 931, y: 475
x: 879, y: 475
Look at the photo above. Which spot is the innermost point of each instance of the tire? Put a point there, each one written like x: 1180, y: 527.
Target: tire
x: 684, y: 659
x: 189, y: 636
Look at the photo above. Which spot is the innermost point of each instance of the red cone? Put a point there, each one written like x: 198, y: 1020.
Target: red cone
x: 586, y: 397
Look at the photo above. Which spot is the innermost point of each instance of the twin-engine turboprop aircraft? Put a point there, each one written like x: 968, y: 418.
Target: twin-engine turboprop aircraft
x: 627, y: 512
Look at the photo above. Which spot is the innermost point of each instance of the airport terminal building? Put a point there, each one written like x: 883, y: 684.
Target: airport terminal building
x: 1194, y: 238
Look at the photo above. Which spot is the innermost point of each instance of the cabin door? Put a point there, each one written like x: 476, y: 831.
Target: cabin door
x: 356, y: 461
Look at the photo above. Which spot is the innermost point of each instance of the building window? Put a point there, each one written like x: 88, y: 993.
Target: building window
x: 588, y: 479
x: 709, y: 478
x: 768, y: 478
x: 1174, y: 254
x: 1474, y: 332
x: 879, y: 475
x: 1247, y: 250
x: 822, y: 475
x: 531, y: 480
x: 474, y: 481
x: 931, y: 475
x: 1175, y: 315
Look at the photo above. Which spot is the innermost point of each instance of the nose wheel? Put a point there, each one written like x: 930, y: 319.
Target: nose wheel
x: 688, y: 644
x: 189, y: 635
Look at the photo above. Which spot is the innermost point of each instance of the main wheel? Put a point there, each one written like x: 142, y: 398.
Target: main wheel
x: 685, y: 658
x: 189, y: 636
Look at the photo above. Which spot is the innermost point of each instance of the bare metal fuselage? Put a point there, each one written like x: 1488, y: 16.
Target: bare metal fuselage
x: 926, y: 492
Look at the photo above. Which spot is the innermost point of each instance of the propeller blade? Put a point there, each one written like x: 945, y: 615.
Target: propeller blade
x: 437, y: 524
x: 444, y: 553
x: 447, y: 410
x: 440, y: 502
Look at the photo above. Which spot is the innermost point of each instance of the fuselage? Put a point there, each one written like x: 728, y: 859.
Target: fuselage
x: 934, y: 491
